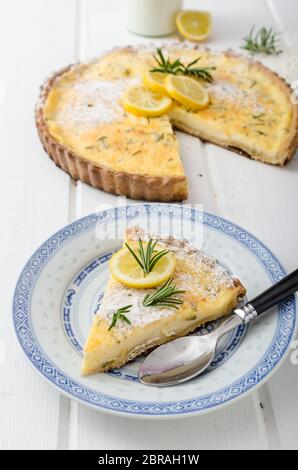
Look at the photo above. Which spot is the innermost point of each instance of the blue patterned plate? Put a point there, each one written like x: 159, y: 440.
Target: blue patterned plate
x: 62, y: 285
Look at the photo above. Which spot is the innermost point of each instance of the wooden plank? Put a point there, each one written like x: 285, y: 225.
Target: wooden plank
x: 230, y: 428
x: 260, y: 197
x: 285, y: 13
x: 34, y: 40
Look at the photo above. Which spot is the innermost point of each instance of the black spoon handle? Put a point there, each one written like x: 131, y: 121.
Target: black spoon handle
x: 276, y: 293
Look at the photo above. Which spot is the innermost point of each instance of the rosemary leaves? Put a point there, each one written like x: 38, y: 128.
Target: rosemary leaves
x: 164, y: 65
x: 147, y: 256
x: 165, y: 296
x: 264, y: 41
x: 119, y: 314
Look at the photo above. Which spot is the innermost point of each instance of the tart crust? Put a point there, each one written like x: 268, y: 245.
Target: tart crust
x: 142, y: 186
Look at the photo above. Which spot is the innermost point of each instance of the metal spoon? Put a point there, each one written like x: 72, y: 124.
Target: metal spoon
x: 184, y: 358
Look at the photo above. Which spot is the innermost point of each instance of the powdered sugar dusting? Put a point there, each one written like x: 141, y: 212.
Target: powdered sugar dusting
x: 138, y: 315
x: 224, y: 90
x: 119, y: 295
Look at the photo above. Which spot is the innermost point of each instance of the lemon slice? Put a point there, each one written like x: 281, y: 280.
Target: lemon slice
x: 125, y: 269
x: 141, y: 101
x: 187, y: 91
x: 155, y: 81
x: 194, y: 25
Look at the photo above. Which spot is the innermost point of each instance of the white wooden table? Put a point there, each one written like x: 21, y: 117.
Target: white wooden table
x: 37, y: 37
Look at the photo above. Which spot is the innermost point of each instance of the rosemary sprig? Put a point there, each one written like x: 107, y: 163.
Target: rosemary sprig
x: 264, y: 41
x: 165, y: 296
x: 119, y: 315
x: 146, y: 257
x: 177, y: 68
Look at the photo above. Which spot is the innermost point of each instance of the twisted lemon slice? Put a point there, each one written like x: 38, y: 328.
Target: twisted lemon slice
x: 125, y: 269
x: 141, y: 101
x: 155, y: 81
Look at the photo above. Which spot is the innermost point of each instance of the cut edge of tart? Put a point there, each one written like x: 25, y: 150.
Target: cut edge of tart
x: 209, y: 292
x: 172, y: 185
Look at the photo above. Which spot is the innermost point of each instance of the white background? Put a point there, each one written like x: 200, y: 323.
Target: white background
x: 37, y: 37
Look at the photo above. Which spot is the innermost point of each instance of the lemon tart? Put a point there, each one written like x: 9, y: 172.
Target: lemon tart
x: 87, y: 131
x: 205, y: 291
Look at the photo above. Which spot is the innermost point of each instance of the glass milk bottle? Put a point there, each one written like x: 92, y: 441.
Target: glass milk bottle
x: 152, y: 17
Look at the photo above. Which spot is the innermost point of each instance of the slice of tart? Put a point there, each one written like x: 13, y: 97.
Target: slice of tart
x: 86, y: 131
x: 205, y: 292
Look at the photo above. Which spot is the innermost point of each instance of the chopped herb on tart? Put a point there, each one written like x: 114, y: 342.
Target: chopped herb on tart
x: 165, y: 296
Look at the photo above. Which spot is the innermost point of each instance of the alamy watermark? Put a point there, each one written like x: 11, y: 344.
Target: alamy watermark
x: 179, y: 221
x: 294, y: 353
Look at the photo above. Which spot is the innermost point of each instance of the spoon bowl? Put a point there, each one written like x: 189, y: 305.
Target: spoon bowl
x: 184, y: 358
x: 178, y: 361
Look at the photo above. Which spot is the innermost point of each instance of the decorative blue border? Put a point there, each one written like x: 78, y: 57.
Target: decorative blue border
x: 71, y: 293
x: 25, y: 333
